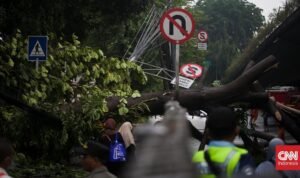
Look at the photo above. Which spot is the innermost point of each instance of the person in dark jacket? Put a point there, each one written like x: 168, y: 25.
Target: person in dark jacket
x: 6, y: 157
x: 93, y: 158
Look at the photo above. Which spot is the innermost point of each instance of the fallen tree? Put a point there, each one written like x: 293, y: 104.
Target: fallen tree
x: 238, y: 91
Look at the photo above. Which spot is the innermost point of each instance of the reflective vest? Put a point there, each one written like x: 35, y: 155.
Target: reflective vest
x: 227, y: 158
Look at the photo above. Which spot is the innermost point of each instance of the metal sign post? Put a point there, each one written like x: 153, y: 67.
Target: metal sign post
x: 177, y: 70
x: 37, y: 65
x: 177, y: 26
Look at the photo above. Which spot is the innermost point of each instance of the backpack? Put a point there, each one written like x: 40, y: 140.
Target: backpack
x: 117, y: 151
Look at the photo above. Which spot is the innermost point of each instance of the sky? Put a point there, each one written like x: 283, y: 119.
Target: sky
x: 267, y: 5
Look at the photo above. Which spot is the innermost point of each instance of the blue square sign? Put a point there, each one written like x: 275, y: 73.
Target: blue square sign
x: 37, y: 48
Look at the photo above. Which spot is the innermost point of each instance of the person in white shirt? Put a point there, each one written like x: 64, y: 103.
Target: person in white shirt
x: 6, y: 157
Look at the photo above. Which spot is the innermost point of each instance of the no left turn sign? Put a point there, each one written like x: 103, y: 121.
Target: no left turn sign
x: 177, y: 25
x: 191, y: 70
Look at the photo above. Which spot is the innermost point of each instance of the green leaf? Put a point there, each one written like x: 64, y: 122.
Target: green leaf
x: 105, y: 108
x: 11, y: 62
x: 51, y: 58
x: 123, y: 65
x: 38, y: 94
x: 13, y: 52
x: 136, y: 94
x: 100, y: 52
x: 7, y: 115
x: 59, y: 45
x: 87, y: 72
x: 32, y: 101
x: 123, y: 111
x: 118, y: 66
x: 123, y: 100
x: 43, y: 87
x: 73, y: 65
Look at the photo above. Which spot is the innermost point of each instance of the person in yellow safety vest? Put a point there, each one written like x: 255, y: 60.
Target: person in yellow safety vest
x: 223, y: 158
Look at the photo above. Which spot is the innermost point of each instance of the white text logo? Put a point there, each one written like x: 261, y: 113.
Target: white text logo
x: 288, y: 155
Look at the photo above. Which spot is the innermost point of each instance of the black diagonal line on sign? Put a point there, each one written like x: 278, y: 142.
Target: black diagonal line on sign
x: 177, y: 25
x: 190, y: 68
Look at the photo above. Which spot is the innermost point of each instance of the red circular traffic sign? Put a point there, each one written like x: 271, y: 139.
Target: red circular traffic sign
x: 191, y: 70
x: 177, y: 25
x: 202, y: 36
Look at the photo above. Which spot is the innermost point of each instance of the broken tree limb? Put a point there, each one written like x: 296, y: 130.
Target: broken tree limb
x: 250, y: 64
x: 200, y: 98
x: 255, y: 133
x: 46, y: 117
x: 284, y: 120
x: 288, y: 109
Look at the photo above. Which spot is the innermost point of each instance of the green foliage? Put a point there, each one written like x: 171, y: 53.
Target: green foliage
x: 216, y: 83
x: 230, y: 25
x: 241, y: 60
x: 72, y: 76
x: 25, y: 168
x: 109, y: 25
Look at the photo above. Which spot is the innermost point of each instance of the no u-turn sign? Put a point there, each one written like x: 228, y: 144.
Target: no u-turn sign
x: 177, y: 25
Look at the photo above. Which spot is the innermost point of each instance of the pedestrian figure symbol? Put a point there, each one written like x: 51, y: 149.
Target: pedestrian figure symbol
x: 37, y: 50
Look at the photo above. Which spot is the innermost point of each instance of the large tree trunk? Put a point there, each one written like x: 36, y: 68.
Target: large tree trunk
x: 205, y: 97
x: 201, y: 98
x: 238, y: 90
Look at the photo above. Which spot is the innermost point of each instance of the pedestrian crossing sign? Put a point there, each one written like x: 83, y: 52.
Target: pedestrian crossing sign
x: 37, y: 48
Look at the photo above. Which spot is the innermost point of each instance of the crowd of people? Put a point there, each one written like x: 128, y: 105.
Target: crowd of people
x: 108, y: 156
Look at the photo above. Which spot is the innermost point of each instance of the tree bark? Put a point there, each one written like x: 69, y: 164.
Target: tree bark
x: 205, y: 96
x: 47, y: 118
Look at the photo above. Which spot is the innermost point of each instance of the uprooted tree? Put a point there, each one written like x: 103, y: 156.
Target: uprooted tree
x: 80, y: 86
x: 241, y: 90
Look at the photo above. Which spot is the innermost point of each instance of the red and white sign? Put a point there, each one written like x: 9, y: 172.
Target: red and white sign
x: 287, y: 157
x: 177, y: 25
x: 191, y: 70
x: 202, y: 36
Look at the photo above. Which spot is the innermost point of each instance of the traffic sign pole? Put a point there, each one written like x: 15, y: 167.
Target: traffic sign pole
x: 177, y: 71
x: 37, y: 65
x: 177, y: 26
